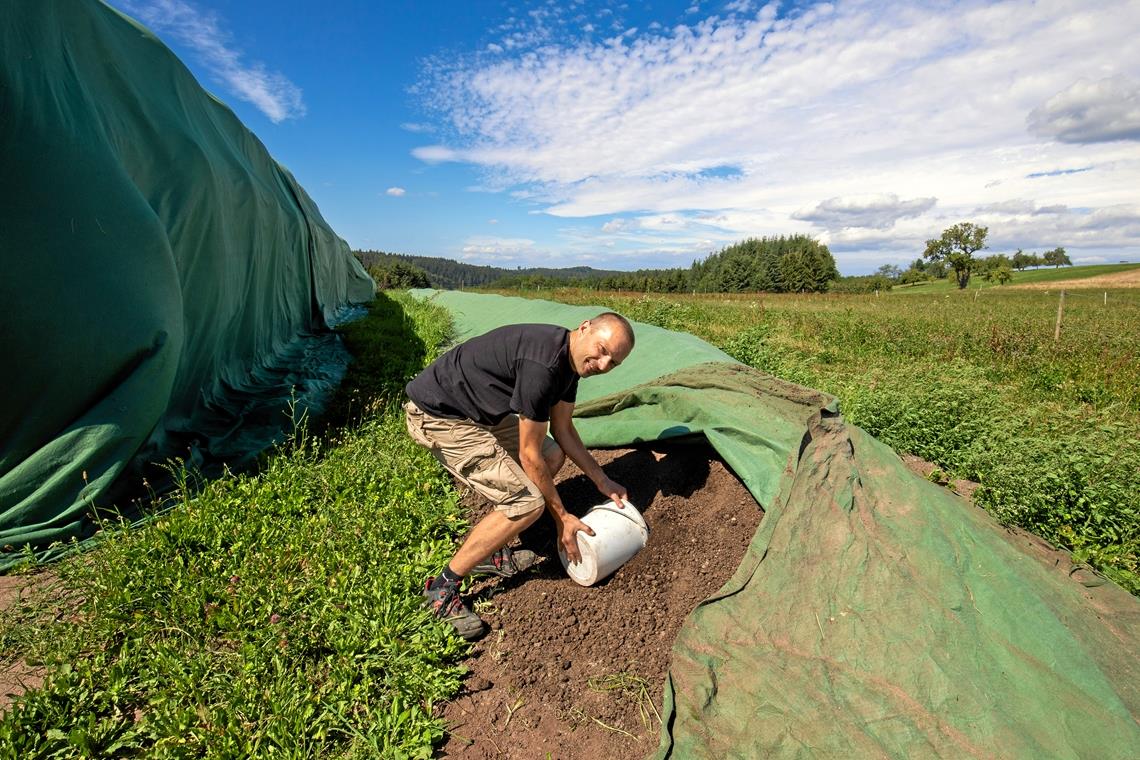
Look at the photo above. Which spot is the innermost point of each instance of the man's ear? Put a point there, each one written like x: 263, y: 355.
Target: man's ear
x: 584, y: 326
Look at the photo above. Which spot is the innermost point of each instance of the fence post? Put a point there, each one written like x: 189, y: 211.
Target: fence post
x: 1057, y: 327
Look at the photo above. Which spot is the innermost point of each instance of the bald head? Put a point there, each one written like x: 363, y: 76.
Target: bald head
x: 600, y: 344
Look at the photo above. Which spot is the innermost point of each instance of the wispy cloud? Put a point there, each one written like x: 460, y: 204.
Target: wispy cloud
x: 201, y: 31
x: 1091, y: 112
x: 878, y: 212
x: 498, y: 250
x: 845, y: 119
x: 395, y: 191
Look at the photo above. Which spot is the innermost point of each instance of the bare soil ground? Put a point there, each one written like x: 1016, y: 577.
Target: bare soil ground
x: 574, y: 672
x: 16, y: 675
x: 1127, y: 279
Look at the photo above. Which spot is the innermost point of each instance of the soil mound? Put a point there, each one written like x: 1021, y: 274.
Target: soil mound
x: 573, y: 672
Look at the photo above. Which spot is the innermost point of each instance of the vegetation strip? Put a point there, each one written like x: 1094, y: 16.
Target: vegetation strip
x: 269, y: 614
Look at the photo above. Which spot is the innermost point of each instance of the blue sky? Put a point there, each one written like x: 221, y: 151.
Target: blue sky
x: 649, y: 134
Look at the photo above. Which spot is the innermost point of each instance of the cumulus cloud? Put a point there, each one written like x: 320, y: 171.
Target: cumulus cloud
x: 878, y: 212
x: 1091, y: 112
x: 271, y: 92
x: 496, y: 250
x: 876, y: 108
x: 395, y: 191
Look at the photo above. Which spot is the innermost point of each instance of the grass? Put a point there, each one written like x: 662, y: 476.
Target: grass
x: 974, y: 383
x: 268, y: 614
x: 1024, y: 277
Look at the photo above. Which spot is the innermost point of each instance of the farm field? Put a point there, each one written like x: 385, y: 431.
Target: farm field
x: 1106, y: 276
x: 972, y: 382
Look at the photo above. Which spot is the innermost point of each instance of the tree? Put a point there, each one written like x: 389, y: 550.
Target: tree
x: 956, y: 247
x: 398, y: 275
x: 1057, y: 257
x: 890, y: 271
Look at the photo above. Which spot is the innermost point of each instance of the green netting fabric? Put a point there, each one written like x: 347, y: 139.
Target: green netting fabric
x: 163, y: 277
x: 875, y: 614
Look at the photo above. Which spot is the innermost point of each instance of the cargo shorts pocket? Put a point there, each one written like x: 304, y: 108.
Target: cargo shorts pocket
x: 491, y: 472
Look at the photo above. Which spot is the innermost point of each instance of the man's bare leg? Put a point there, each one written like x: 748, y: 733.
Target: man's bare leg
x: 496, y: 530
x: 490, y: 534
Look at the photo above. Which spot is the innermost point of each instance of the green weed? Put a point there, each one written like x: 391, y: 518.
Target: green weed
x: 268, y: 614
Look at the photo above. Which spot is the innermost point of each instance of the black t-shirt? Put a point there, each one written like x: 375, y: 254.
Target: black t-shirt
x: 523, y: 369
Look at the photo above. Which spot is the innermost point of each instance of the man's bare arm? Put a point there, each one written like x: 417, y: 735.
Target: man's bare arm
x: 531, y: 436
x: 564, y: 432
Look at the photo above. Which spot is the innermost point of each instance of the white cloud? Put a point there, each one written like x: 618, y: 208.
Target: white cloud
x: 1091, y: 112
x: 416, y: 127
x: 433, y: 154
x: 396, y: 191
x: 878, y: 212
x: 483, y: 249
x: 269, y: 91
x: 839, y: 115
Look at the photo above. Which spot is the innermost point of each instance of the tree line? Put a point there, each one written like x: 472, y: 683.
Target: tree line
x: 796, y: 264
x: 784, y: 264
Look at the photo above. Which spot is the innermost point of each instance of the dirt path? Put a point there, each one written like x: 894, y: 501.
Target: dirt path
x: 579, y: 672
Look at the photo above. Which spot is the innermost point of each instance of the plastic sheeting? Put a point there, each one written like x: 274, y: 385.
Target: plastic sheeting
x: 164, y: 279
x: 874, y: 614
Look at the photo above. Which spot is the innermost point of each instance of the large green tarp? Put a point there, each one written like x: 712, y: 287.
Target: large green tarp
x: 165, y: 282
x: 874, y: 614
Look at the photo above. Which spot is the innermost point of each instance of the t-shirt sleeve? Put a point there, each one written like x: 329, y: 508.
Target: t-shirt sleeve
x: 534, y: 391
x: 571, y: 393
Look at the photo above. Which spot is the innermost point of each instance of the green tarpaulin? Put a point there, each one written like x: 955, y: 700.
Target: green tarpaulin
x: 165, y: 282
x: 874, y: 614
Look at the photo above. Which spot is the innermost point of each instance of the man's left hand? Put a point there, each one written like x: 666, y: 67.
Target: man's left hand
x: 613, y: 490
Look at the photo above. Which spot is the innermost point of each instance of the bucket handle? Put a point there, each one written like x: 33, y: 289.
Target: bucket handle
x: 638, y: 521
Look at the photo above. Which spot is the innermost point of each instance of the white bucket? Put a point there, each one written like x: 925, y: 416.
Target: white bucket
x: 619, y: 534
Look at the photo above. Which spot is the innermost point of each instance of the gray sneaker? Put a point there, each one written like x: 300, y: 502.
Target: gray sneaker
x: 445, y: 604
x: 506, y: 563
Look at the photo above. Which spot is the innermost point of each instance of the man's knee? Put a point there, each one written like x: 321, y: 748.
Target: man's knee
x: 524, y: 512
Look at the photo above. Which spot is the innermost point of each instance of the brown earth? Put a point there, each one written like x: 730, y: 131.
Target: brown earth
x: 1129, y: 278
x: 574, y: 672
x: 16, y: 675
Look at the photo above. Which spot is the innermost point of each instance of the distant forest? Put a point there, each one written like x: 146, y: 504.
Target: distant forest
x: 795, y: 264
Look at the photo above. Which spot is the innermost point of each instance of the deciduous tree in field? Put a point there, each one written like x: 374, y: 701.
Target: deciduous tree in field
x: 1057, y: 258
x: 956, y: 247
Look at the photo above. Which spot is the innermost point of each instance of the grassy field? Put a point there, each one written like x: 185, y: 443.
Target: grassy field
x: 1026, y: 277
x: 274, y: 614
x: 974, y: 383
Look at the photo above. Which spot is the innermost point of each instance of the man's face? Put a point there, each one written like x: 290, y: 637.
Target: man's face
x: 599, y: 348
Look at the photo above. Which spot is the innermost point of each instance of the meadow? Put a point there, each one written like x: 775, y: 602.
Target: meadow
x: 269, y: 614
x: 972, y: 381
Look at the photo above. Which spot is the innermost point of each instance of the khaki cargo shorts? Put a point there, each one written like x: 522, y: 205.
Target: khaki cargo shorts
x: 483, y: 457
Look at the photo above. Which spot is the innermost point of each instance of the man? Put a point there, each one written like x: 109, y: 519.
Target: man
x: 483, y: 409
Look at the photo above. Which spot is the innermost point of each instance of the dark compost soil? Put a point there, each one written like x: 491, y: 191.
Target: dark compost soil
x: 574, y: 672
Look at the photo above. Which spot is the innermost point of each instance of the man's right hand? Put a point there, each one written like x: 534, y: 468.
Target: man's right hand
x: 568, y: 528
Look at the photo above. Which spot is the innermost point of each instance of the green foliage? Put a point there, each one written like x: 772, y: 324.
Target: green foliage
x: 956, y: 247
x: 794, y: 264
x: 868, y: 283
x: 397, y: 274
x: 1056, y: 258
x: 275, y: 614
